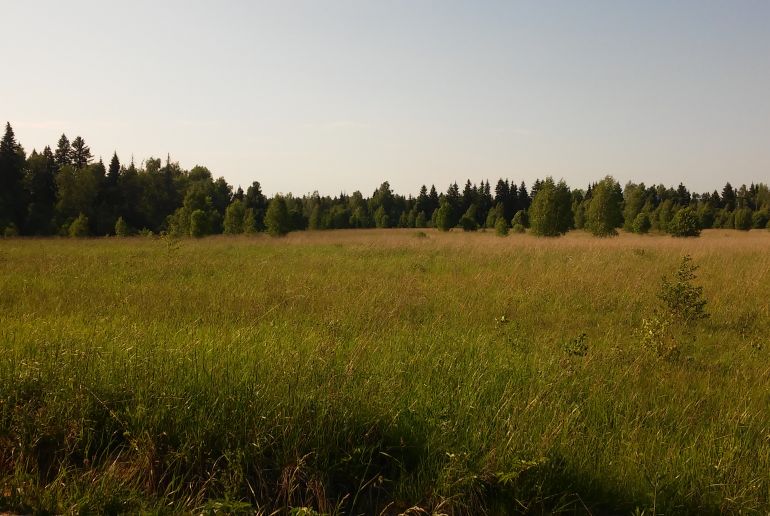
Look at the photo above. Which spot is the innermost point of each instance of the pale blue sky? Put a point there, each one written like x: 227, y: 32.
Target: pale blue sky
x: 341, y: 95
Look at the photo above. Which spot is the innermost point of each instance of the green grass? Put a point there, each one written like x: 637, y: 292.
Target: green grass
x: 367, y: 371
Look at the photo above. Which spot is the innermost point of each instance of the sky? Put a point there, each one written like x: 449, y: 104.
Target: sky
x: 338, y: 96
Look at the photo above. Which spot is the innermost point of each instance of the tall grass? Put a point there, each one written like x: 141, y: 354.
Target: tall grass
x: 373, y: 371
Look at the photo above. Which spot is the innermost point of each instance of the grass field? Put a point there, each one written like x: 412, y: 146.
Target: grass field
x: 372, y: 371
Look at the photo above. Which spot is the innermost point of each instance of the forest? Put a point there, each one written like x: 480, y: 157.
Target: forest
x: 65, y: 191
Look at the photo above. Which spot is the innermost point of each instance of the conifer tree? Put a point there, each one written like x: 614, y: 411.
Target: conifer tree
x: 12, y: 202
x: 81, y: 153
x: 63, y: 154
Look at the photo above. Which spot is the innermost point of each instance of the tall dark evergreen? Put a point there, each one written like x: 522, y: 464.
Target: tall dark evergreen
x: 434, y: 200
x: 524, y: 199
x: 41, y: 189
x: 113, y: 172
x: 12, y: 198
x: 728, y: 197
x: 81, y: 153
x: 63, y: 154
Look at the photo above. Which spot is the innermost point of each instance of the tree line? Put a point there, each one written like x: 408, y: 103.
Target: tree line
x: 63, y: 191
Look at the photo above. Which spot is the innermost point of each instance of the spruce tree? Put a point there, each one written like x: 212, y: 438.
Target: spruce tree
x: 63, y: 154
x: 81, y: 153
x: 12, y: 202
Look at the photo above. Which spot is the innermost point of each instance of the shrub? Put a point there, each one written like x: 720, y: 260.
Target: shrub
x: 501, y: 227
x: 444, y: 217
x: 79, y: 227
x: 518, y: 228
x: 684, y: 224
x: 641, y: 224
x: 10, y: 231
x: 468, y: 224
x: 121, y: 228
x: 683, y: 301
x: 198, y: 223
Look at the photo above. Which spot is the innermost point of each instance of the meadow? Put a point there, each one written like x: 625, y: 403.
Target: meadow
x: 381, y: 372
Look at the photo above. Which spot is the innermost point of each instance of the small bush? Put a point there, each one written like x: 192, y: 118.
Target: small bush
x: 577, y: 347
x: 147, y: 233
x: 683, y: 301
x: 79, y: 227
x: 501, y: 227
x: 421, y: 234
x: 121, y: 228
x: 468, y: 224
x: 518, y: 228
x: 11, y: 231
x: 657, y: 337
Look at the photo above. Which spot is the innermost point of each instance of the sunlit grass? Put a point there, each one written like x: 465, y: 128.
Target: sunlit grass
x: 356, y: 371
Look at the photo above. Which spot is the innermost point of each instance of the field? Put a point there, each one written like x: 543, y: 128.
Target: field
x: 381, y: 371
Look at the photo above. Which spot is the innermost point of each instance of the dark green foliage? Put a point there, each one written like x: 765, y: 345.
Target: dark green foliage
x: 44, y: 193
x: 277, y: 218
x: 518, y: 228
x: 683, y: 301
x: 234, y: 218
x: 684, y: 224
x: 604, y: 214
x: 12, y: 193
x: 760, y: 219
x: 79, y: 227
x: 634, y: 199
x: 81, y: 153
x: 468, y: 220
x: 551, y: 211
x: 198, y: 223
